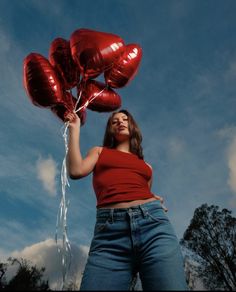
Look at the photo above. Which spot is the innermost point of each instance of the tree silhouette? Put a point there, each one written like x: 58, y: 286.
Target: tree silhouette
x: 27, y: 277
x: 212, y: 236
x: 3, y: 268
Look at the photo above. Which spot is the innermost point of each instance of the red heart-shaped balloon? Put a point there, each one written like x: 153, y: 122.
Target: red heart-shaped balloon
x: 98, y: 97
x: 94, y: 51
x: 125, y: 68
x: 41, y: 81
x: 61, y: 59
x: 62, y: 110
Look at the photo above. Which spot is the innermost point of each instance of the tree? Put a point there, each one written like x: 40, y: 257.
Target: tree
x: 3, y: 268
x: 27, y: 277
x: 212, y: 236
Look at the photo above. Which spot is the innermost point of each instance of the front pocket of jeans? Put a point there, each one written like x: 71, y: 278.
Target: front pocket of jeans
x: 158, y: 215
x: 100, y: 226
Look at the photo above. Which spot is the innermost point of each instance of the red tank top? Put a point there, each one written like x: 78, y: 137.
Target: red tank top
x: 120, y: 176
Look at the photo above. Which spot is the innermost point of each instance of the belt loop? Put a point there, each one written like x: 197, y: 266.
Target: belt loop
x: 112, y: 215
x: 143, y: 210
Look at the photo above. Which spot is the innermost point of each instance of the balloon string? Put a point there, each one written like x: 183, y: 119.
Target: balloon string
x: 88, y: 101
x: 61, y: 225
x: 78, y: 100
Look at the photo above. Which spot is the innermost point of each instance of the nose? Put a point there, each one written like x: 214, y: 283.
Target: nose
x: 121, y: 123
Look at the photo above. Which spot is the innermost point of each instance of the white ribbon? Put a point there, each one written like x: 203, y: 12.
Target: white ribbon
x: 88, y: 101
x: 61, y: 225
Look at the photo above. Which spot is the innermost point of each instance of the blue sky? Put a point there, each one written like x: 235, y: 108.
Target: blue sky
x: 183, y: 98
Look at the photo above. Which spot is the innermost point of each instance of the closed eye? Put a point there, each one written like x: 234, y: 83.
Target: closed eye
x: 115, y: 121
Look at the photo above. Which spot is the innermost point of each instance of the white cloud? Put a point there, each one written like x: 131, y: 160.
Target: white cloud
x: 190, y: 263
x: 232, y: 165
x: 179, y: 10
x: 227, y: 132
x: 3, y: 255
x: 230, y: 73
x: 176, y: 147
x: 54, y: 9
x: 4, y: 41
x: 10, y: 165
x: 9, y: 74
x: 45, y: 254
x: 14, y: 232
x: 46, y: 172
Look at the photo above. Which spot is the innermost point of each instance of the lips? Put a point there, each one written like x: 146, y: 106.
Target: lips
x: 121, y: 128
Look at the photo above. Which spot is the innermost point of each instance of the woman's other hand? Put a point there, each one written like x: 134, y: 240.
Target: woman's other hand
x: 161, y: 200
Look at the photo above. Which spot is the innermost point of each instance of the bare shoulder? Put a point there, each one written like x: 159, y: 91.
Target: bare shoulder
x: 96, y: 150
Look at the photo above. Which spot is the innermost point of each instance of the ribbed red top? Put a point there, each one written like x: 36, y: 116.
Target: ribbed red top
x: 119, y: 177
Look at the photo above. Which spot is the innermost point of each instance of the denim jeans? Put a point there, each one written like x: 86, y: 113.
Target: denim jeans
x: 133, y: 240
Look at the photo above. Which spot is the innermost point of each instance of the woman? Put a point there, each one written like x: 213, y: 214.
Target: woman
x: 132, y: 232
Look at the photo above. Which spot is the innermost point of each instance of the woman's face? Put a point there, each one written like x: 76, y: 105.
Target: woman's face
x: 120, y: 126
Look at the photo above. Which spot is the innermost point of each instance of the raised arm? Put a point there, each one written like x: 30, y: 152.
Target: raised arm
x: 78, y: 166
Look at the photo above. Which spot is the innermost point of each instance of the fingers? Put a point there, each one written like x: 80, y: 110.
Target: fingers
x: 161, y: 200
x: 70, y: 117
x: 164, y: 208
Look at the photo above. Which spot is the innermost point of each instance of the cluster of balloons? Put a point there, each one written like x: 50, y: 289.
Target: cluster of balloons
x: 75, y: 64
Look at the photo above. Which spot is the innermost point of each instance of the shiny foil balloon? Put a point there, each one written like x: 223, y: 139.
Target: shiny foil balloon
x: 125, y: 68
x: 61, y: 59
x: 41, y: 81
x: 82, y: 115
x: 94, y: 51
x: 98, y: 97
x: 62, y: 110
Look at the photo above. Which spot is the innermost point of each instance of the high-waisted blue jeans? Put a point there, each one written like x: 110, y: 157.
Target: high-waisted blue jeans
x: 130, y: 240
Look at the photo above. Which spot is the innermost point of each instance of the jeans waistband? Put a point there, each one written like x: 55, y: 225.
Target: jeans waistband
x: 122, y: 212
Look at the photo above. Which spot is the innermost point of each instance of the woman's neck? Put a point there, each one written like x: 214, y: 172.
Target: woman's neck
x: 123, y: 146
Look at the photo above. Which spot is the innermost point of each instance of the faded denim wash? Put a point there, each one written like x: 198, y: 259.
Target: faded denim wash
x: 130, y: 240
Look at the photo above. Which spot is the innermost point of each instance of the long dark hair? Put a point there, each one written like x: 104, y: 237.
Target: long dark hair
x: 135, y: 134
